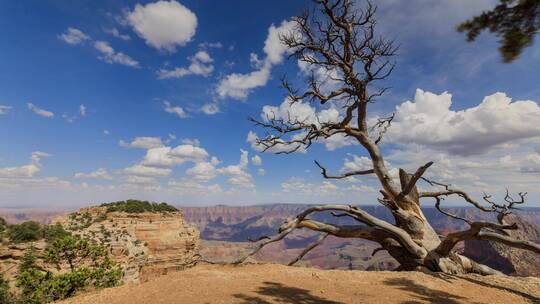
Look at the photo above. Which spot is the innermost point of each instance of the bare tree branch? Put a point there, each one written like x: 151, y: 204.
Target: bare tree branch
x: 306, y: 250
x: 348, y: 63
x: 344, y: 175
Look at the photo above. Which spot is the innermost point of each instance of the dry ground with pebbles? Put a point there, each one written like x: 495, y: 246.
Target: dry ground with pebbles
x: 271, y: 283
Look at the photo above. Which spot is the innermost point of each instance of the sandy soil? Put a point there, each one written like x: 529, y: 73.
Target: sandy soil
x: 270, y: 283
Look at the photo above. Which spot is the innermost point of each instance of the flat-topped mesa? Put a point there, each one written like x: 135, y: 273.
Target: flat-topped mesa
x: 146, y: 243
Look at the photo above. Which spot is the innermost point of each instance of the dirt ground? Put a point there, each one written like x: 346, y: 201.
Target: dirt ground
x: 270, y: 283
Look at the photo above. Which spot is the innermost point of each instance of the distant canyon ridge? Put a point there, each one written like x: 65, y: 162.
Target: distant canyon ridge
x: 225, y: 232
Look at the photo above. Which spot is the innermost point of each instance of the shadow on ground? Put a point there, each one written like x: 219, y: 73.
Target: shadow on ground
x: 497, y: 285
x: 279, y: 293
x: 422, y: 294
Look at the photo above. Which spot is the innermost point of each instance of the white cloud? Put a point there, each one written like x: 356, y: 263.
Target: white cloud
x: 193, y: 187
x: 296, y: 185
x: 201, y: 64
x: 202, y: 172
x: 189, y: 153
x: 238, y: 86
x: 5, y: 109
x: 429, y: 121
x: 169, y: 157
x: 179, y: 111
x: 191, y: 141
x: 238, y: 174
x: 106, y: 132
x: 143, y: 142
x: 115, y: 33
x: 256, y: 160
x: 82, y: 110
x: 261, y: 172
x: 26, y: 171
x: 39, y: 111
x: 303, y: 112
x: 142, y: 170
x: 145, y: 181
x: 73, y: 36
x: 109, y: 55
x: 159, y: 157
x: 100, y: 173
x: 210, y: 109
x: 164, y: 25
x: 357, y: 163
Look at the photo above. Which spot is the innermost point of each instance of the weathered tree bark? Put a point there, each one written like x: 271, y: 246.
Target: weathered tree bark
x: 343, y: 43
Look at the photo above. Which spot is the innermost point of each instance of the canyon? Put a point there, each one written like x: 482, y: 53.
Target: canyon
x: 152, y: 244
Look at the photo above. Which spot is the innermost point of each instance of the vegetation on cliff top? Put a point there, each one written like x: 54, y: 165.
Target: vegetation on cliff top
x: 137, y: 206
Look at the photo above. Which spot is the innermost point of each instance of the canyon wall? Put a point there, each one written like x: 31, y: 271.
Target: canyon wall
x: 146, y: 244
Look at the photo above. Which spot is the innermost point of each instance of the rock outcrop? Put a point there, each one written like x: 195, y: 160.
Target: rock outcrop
x: 146, y: 244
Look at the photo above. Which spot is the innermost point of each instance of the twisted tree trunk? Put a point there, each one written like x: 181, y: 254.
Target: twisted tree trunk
x: 344, y: 44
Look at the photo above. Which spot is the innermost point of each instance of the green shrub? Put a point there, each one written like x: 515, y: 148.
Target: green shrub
x: 3, y: 224
x: 136, y: 206
x: 25, y: 232
x: 89, y: 264
x: 53, y: 232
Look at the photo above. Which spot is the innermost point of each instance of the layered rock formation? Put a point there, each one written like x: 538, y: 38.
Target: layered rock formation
x: 509, y: 260
x: 236, y: 225
x: 146, y: 244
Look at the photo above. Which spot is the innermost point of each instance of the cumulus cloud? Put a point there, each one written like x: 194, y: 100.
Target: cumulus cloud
x: 39, y: 111
x: 238, y: 86
x: 201, y: 64
x: 238, y: 174
x: 170, y: 157
x: 210, y: 109
x: 202, y: 172
x: 5, y: 109
x: 143, y: 142
x: 26, y: 171
x: 177, y: 110
x: 430, y: 121
x: 100, y: 173
x: 73, y: 36
x: 109, y: 55
x: 164, y: 25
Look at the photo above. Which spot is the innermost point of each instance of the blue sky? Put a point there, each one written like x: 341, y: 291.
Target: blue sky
x: 108, y: 100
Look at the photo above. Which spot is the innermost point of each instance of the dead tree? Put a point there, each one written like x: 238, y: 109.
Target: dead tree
x: 343, y: 42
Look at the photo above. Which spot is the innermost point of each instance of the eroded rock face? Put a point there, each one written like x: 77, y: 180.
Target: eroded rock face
x: 145, y: 244
x: 506, y: 259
